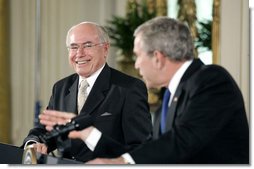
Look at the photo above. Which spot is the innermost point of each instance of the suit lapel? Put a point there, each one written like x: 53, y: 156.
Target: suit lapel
x: 196, y: 64
x: 70, y: 99
x: 98, y: 92
x: 157, y: 119
x: 172, y: 108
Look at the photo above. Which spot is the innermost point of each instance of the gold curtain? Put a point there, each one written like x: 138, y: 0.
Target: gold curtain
x: 187, y: 13
x: 159, y: 5
x: 216, y: 31
x: 5, y: 113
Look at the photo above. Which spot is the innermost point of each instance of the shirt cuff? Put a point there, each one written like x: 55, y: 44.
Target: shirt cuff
x: 127, y: 157
x: 93, y: 138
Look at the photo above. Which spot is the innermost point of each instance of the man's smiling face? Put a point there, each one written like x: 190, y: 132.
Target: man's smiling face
x: 86, y: 53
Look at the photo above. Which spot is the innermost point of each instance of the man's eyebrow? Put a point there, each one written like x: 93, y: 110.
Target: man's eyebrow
x: 87, y: 42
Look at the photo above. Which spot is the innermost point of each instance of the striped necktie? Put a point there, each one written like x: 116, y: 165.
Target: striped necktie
x: 82, y: 94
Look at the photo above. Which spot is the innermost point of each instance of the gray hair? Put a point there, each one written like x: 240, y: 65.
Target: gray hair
x: 168, y: 36
x: 102, y: 32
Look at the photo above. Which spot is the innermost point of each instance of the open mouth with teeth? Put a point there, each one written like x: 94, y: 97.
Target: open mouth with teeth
x: 82, y: 62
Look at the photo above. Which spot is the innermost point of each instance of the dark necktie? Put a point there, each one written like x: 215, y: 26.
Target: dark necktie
x: 164, y: 110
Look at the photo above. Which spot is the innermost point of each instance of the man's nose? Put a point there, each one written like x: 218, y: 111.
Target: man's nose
x: 80, y: 51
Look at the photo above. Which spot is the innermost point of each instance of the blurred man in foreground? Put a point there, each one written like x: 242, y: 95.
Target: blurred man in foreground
x: 203, y: 118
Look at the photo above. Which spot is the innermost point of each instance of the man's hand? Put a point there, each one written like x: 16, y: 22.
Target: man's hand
x: 83, y: 134
x: 41, y: 148
x: 118, y: 160
x: 49, y: 118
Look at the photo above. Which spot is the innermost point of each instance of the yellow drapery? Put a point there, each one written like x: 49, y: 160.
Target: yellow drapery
x: 215, y: 31
x: 5, y: 113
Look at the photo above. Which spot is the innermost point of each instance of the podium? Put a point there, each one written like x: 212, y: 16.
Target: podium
x: 10, y: 154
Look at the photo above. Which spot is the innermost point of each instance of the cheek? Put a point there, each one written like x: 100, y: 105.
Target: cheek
x: 145, y: 64
x: 99, y: 59
x: 139, y: 63
x: 71, y: 57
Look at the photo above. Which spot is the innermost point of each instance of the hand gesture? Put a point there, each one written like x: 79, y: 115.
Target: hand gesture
x: 50, y: 118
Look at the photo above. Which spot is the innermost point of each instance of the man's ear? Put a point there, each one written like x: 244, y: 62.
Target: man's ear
x: 159, y: 59
x: 106, y: 48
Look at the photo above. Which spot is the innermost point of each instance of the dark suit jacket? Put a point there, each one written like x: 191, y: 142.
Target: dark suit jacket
x: 119, y: 106
x: 206, y: 122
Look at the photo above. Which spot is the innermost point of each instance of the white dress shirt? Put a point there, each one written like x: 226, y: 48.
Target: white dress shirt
x: 91, y: 79
x: 173, y: 84
x: 95, y: 134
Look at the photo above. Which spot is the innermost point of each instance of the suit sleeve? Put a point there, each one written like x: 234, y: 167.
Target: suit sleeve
x: 208, y: 110
x: 35, y: 132
x: 136, y: 123
x: 136, y: 117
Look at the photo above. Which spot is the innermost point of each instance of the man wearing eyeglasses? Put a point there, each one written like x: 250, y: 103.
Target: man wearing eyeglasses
x: 205, y: 120
x: 117, y: 102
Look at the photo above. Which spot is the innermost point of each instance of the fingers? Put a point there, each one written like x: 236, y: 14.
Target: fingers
x: 49, y: 118
x: 98, y: 161
x: 59, y: 114
x: 75, y: 135
x: 56, y: 116
x: 118, y: 160
x: 41, y: 148
x: 49, y: 128
x: 83, y: 134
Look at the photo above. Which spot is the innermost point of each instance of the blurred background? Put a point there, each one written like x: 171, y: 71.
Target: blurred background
x: 33, y: 54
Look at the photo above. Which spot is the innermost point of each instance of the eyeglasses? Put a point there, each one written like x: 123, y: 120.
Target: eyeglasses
x: 85, y: 46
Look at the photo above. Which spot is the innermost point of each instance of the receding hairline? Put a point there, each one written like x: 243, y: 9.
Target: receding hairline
x: 84, y: 23
x: 97, y: 26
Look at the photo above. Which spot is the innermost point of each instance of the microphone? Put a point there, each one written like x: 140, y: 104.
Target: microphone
x: 77, y: 123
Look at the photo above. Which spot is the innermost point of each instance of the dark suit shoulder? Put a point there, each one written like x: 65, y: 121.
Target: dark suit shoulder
x: 215, y: 73
x: 67, y: 80
x: 210, y: 73
x: 212, y: 78
x: 214, y: 69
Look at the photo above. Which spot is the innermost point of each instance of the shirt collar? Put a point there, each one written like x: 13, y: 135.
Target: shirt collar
x: 91, y: 79
x: 173, y: 84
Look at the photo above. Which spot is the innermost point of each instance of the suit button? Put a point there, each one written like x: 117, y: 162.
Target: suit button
x: 73, y: 158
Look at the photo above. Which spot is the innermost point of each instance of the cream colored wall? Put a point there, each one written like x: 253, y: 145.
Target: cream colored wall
x: 57, y: 16
x: 235, y: 55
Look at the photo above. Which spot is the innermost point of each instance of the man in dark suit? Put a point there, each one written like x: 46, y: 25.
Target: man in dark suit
x: 116, y: 102
x: 206, y: 121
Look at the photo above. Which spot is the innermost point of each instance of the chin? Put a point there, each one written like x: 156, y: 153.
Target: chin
x: 83, y: 74
x: 148, y: 85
